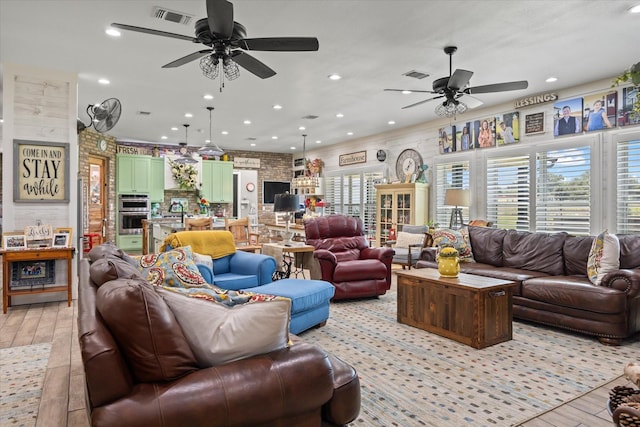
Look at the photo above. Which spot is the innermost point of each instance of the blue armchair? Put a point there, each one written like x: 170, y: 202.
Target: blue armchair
x: 240, y: 270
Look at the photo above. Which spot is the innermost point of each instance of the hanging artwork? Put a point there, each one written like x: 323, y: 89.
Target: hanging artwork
x: 508, y: 128
x: 600, y: 111
x: 626, y: 115
x: 41, y: 172
x: 446, y: 142
x: 484, y: 132
x: 463, y: 139
x: 567, y: 119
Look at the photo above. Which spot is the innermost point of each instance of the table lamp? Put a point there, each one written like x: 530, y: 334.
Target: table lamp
x: 287, y: 203
x: 456, y: 197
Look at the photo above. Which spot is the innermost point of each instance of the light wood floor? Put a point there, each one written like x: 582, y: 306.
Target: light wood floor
x: 63, y: 402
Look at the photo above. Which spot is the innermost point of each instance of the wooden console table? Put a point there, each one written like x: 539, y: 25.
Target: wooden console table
x: 40, y: 254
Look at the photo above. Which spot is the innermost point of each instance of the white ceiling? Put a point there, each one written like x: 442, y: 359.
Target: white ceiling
x: 371, y: 43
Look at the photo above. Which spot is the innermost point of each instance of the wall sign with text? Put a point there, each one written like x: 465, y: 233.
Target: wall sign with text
x: 41, y: 172
x: 352, y: 158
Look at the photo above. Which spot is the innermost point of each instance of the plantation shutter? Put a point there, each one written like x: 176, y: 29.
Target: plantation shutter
x: 331, y: 196
x: 563, y: 192
x: 450, y: 175
x: 508, y: 192
x: 628, y: 182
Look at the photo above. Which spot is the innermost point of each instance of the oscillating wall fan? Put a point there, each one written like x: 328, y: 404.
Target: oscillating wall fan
x: 104, y: 116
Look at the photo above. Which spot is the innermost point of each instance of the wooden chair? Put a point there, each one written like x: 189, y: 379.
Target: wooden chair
x: 240, y: 230
x: 191, y: 224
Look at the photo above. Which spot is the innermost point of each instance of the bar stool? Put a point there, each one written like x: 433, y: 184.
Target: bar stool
x: 89, y: 240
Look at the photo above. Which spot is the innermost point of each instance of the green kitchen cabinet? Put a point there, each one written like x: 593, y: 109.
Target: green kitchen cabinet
x: 156, y: 193
x: 133, y: 174
x: 130, y: 243
x: 217, y: 181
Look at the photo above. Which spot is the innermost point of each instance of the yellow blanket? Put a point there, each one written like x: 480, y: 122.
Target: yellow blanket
x: 215, y: 243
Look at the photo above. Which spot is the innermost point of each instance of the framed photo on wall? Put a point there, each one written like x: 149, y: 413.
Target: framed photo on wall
x: 600, y: 111
x: 567, y: 119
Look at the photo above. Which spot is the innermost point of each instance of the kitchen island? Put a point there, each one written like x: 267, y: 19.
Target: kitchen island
x: 155, y: 230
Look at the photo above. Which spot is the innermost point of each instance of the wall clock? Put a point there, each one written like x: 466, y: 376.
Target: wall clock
x: 250, y: 187
x: 408, y: 163
x: 102, y: 144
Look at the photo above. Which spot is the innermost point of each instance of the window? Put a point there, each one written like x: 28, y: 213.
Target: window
x: 353, y: 194
x: 561, y: 184
x: 628, y: 183
x: 450, y: 175
x: 508, y: 185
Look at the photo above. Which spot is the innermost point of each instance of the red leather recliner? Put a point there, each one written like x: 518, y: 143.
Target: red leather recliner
x: 345, y: 258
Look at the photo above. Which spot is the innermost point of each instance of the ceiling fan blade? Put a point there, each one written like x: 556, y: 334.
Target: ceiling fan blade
x: 220, y: 17
x: 280, y: 44
x: 459, y: 79
x: 422, y: 102
x: 498, y: 87
x: 185, y: 59
x: 154, y: 32
x: 252, y: 65
x: 409, y: 90
x: 471, y: 101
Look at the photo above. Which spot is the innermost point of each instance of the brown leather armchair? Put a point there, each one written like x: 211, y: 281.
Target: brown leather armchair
x: 345, y: 258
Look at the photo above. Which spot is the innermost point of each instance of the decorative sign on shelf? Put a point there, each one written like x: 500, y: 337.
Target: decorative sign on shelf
x: 543, y: 98
x: 38, y: 232
x: 246, y: 162
x: 534, y: 123
x: 353, y: 158
x: 41, y: 172
x: 126, y: 149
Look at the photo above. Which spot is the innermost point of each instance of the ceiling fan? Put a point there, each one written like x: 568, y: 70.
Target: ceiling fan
x: 226, y: 43
x: 455, y: 87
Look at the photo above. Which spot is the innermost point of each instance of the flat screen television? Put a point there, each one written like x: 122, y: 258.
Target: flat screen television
x: 271, y: 188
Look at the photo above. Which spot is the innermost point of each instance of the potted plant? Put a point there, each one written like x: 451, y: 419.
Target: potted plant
x: 631, y: 74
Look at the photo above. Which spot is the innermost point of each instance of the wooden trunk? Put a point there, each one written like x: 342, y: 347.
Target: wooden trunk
x: 472, y: 310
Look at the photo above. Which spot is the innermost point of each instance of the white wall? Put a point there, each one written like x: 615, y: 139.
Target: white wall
x: 39, y: 105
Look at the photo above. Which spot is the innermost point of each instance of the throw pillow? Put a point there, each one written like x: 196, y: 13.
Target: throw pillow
x: 203, y: 259
x: 110, y: 268
x: 603, y: 257
x: 405, y: 239
x: 174, y: 268
x: 458, y: 239
x: 220, y: 334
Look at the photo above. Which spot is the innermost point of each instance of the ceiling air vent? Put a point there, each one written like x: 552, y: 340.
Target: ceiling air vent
x: 416, y: 74
x: 165, y: 14
x: 310, y: 117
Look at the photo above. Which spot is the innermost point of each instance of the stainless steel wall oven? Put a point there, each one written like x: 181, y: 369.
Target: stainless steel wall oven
x: 132, y: 209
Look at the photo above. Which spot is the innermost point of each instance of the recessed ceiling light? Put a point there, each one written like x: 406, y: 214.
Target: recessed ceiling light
x: 253, y: 144
x: 112, y: 32
x: 274, y: 137
x: 391, y: 122
x: 302, y: 128
x: 349, y: 133
x: 188, y: 115
x: 318, y: 142
x: 1, y: 120
x: 104, y: 81
x: 277, y: 107
x: 207, y: 96
x: 293, y: 148
x: 224, y: 132
x: 206, y: 141
x: 174, y: 128
x: 247, y: 122
x: 406, y: 92
x: 339, y: 115
x: 163, y: 137
x: 634, y: 9
x: 335, y: 76
x: 551, y: 79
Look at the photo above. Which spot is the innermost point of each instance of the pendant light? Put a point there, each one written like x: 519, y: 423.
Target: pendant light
x: 186, y: 158
x: 211, y: 149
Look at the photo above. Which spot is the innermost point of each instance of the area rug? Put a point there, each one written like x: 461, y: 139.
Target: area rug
x: 22, y: 372
x: 410, y: 377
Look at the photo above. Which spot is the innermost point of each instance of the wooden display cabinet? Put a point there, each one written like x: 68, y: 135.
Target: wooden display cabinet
x: 399, y: 204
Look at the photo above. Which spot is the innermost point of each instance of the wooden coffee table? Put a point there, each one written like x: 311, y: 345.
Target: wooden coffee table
x: 472, y: 310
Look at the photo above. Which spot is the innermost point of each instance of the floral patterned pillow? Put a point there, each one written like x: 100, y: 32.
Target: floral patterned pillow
x: 603, y: 257
x: 174, y: 268
x: 458, y: 239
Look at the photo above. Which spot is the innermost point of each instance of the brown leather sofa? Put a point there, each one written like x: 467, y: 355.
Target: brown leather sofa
x: 300, y: 385
x: 550, y: 271
x: 345, y: 258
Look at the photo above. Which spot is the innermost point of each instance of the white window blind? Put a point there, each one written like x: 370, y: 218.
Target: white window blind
x: 508, y: 192
x: 563, y: 201
x: 628, y: 183
x: 450, y: 175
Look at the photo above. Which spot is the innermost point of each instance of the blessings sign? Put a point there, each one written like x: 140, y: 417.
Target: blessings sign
x: 41, y: 171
